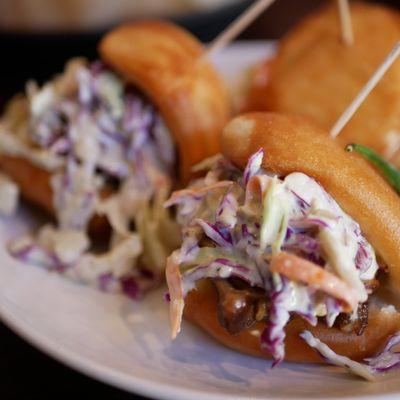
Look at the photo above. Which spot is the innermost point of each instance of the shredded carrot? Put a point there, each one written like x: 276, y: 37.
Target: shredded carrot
x: 174, y: 282
x: 300, y: 270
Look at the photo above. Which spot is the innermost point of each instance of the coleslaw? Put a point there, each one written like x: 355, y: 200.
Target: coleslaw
x: 284, y: 236
x: 109, y: 155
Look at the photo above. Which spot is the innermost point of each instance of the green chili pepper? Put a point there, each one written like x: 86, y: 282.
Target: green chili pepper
x: 390, y: 173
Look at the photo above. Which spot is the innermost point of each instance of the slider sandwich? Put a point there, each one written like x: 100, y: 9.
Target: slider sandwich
x: 315, y: 74
x: 287, y: 242
x: 100, y: 147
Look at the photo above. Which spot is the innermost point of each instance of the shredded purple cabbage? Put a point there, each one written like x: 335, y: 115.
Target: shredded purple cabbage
x: 131, y: 288
x: 363, y: 258
x: 253, y: 166
x: 273, y: 336
x: 105, y: 135
x: 34, y: 253
x: 106, y: 282
x: 190, y: 247
x: 219, y: 234
x: 303, y: 244
x: 227, y: 211
x: 303, y: 204
x: 306, y: 223
x: 385, y: 361
x: 333, y: 309
x: 223, y: 268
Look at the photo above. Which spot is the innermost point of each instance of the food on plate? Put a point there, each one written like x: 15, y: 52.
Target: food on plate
x: 286, y: 241
x: 101, y: 146
x: 315, y: 74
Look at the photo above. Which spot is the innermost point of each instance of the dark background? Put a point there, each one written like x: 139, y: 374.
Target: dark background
x: 25, y: 372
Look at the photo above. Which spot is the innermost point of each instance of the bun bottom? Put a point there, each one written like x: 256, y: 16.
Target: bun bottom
x: 34, y: 185
x: 201, y: 310
x: 33, y: 182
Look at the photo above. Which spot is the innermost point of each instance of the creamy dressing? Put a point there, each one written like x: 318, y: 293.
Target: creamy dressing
x: 299, y: 300
x: 215, y: 270
x: 119, y: 261
x: 276, y: 205
x: 68, y: 245
x: 67, y: 252
x: 111, y: 88
x: 109, y: 154
x: 338, y: 238
x: 12, y: 146
x: 9, y: 194
x: 42, y: 100
x: 342, y: 259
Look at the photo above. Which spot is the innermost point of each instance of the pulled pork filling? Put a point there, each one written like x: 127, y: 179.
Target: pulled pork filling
x: 238, y: 309
x: 109, y: 154
x: 274, y: 248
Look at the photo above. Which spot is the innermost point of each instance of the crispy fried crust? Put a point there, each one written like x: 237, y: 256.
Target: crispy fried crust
x: 165, y: 62
x: 315, y: 74
x: 296, y: 144
x: 201, y: 309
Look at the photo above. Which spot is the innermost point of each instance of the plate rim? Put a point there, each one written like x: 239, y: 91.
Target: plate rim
x: 131, y: 383
x: 120, y: 380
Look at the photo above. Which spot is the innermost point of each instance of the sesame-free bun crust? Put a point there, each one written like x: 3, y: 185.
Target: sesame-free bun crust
x: 201, y: 309
x: 166, y: 63
x: 317, y: 75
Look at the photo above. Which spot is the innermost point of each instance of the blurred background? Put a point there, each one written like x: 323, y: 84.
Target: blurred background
x: 36, y: 38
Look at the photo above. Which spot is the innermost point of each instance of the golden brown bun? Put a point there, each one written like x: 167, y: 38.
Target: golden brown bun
x: 316, y: 75
x: 164, y: 61
x: 34, y: 185
x: 201, y: 309
x: 296, y: 144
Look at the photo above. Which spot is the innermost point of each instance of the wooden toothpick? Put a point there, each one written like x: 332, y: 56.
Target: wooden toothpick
x: 366, y: 90
x: 238, y: 26
x: 345, y: 20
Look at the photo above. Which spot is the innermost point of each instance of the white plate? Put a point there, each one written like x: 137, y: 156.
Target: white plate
x: 127, y: 345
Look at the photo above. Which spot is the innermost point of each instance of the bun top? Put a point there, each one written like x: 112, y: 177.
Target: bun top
x: 164, y: 61
x: 296, y: 144
x: 316, y: 74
